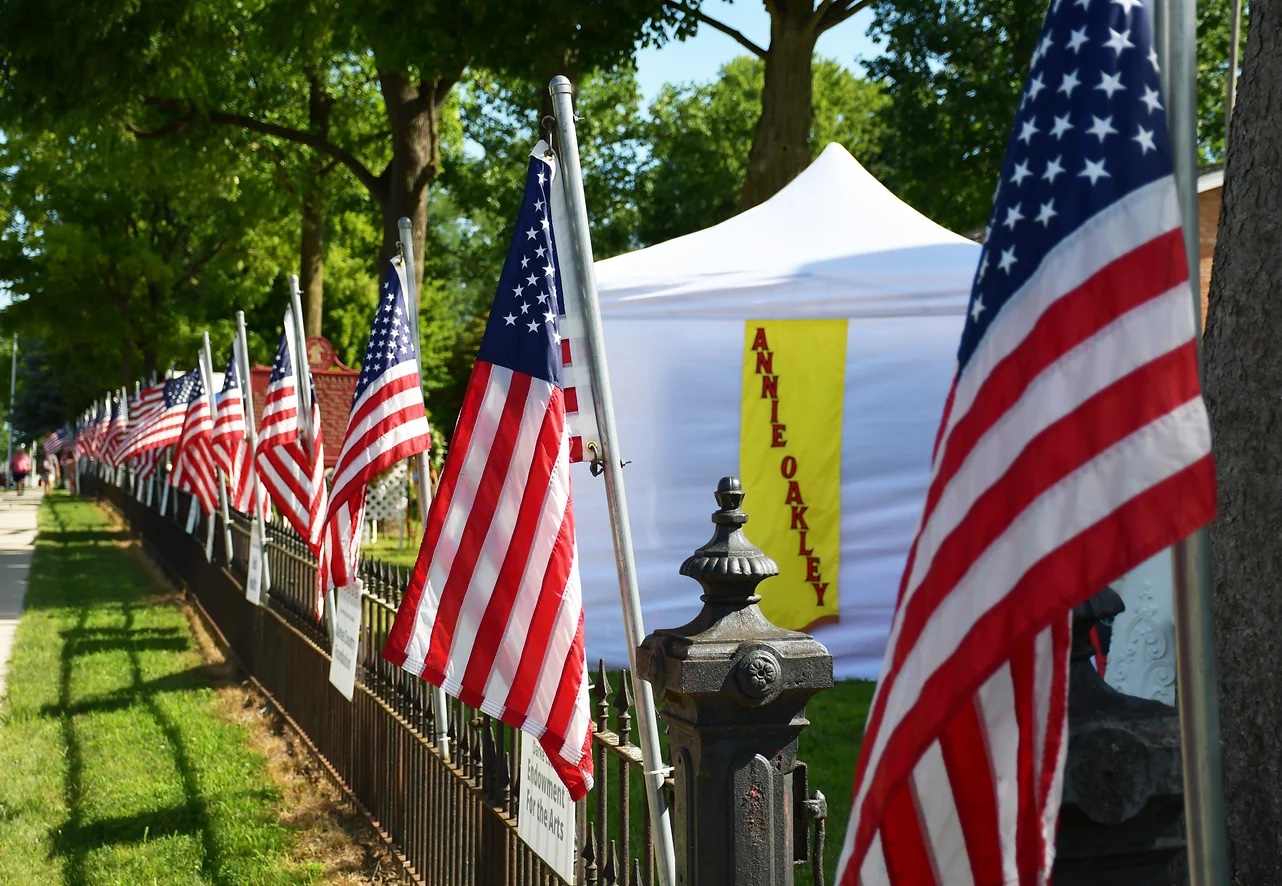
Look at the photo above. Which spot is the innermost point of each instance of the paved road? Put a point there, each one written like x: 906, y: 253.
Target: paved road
x: 17, y: 542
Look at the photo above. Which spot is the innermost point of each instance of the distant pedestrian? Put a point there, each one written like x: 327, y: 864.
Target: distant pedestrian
x: 21, y: 468
x: 47, y: 467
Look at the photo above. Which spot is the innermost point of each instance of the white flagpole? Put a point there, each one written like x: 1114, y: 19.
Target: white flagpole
x: 303, y: 380
x: 251, y: 437
x: 208, y: 370
x: 207, y: 379
x: 424, y: 481
x: 1195, y: 667
x: 568, y: 155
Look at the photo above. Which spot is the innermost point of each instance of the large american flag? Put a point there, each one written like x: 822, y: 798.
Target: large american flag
x: 493, y: 612
x: 292, y: 472
x: 1074, y: 445
x: 159, y: 421
x: 387, y: 424
x: 194, y: 468
x: 228, y: 438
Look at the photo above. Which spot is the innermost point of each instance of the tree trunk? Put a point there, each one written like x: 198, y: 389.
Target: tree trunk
x: 311, y: 247
x: 781, y: 141
x: 414, y: 115
x: 1243, y: 388
x: 311, y: 275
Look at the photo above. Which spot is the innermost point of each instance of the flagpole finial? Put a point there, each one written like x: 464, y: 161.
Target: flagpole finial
x: 561, y: 85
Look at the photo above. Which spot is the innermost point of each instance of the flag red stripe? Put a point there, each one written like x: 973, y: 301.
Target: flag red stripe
x: 1119, y: 410
x: 971, y: 775
x: 544, y: 619
x: 1128, y: 404
x: 908, y: 856
x: 571, y: 677
x: 1023, y: 667
x: 479, y: 518
x: 1170, y: 508
x: 1117, y: 288
x: 489, y: 633
x: 396, y: 649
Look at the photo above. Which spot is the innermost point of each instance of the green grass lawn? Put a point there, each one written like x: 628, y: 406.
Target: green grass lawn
x: 117, y: 769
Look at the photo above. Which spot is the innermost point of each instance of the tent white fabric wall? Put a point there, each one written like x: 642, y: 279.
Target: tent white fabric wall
x: 833, y: 244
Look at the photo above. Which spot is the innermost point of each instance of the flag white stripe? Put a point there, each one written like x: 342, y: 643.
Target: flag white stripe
x: 478, y: 450
x: 996, y: 701
x: 1131, y: 222
x: 550, y: 517
x: 502, y: 527
x: 941, y: 825
x: 371, y: 450
x: 873, y: 872
x: 558, y: 649
x: 1083, y: 498
x: 1135, y: 339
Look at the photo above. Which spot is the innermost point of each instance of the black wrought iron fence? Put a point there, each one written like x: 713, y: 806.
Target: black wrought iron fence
x: 441, y: 786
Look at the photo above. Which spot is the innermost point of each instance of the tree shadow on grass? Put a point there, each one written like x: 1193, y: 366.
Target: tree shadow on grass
x: 79, y: 836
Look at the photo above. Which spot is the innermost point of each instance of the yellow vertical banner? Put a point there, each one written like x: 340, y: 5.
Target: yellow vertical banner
x: 794, y: 374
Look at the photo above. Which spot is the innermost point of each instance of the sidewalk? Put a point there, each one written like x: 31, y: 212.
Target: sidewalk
x: 17, y: 542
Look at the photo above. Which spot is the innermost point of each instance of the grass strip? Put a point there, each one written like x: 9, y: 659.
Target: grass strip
x: 118, y: 769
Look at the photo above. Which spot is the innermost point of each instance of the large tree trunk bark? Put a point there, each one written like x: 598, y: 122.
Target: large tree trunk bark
x: 312, y: 255
x: 1244, y: 396
x: 781, y: 141
x: 414, y: 114
x: 311, y: 247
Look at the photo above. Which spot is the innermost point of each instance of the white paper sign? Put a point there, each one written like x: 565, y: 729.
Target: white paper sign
x: 192, y: 515
x: 546, y: 819
x: 346, y: 616
x: 254, y: 574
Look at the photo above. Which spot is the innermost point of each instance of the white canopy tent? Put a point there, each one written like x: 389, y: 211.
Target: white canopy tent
x: 833, y: 244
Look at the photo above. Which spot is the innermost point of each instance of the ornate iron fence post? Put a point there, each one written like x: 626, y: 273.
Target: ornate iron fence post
x: 1122, y: 816
x: 734, y: 690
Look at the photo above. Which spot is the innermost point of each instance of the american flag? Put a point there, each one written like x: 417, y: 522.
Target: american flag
x: 146, y: 462
x: 194, y: 456
x: 113, y: 437
x: 160, y: 418
x: 228, y: 438
x: 96, y: 430
x: 144, y: 408
x: 292, y: 473
x: 387, y: 424
x: 1074, y: 445
x: 493, y: 612
x: 56, y: 442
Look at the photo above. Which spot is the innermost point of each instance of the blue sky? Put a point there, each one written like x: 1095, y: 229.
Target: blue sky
x: 698, y: 58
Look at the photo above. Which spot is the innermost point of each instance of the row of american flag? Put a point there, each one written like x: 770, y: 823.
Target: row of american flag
x: 1074, y: 445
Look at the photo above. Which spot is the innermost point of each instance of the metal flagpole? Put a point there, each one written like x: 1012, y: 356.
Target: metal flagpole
x: 1235, y: 39
x: 1195, y: 664
x: 251, y: 436
x: 203, y: 364
x: 420, y: 460
x: 13, y: 387
x: 303, y: 378
x: 207, y: 359
x: 568, y: 155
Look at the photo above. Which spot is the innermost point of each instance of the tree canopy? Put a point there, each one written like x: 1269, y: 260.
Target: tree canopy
x: 164, y: 165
